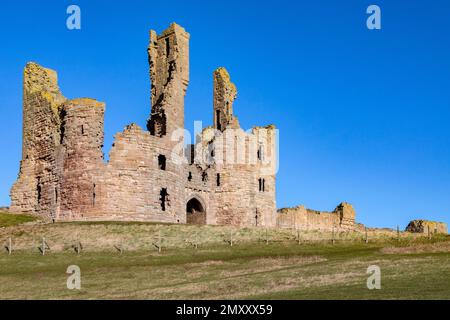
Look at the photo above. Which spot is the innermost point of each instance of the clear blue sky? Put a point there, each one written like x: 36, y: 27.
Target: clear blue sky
x: 363, y: 115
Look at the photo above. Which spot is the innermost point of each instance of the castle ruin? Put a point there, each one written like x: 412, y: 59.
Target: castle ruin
x: 226, y: 177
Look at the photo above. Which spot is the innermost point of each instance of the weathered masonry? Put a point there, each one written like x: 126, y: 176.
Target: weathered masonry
x: 227, y: 177
x: 343, y: 217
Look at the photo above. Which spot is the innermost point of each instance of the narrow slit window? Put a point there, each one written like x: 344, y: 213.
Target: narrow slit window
x: 260, y: 152
x: 39, y: 192
x: 163, y: 198
x: 93, y: 194
x: 219, y: 125
x: 167, y: 47
x: 162, y: 162
x: 190, y: 176
x: 218, y: 180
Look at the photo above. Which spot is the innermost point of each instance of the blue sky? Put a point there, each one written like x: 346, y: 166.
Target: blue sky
x: 363, y: 115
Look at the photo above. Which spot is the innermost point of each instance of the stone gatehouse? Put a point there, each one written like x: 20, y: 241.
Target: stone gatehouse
x: 226, y: 177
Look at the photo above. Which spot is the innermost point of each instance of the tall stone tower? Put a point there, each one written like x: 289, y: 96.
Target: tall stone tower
x: 62, y: 155
x: 168, y: 56
x: 34, y: 191
x: 82, y: 142
x: 224, y: 94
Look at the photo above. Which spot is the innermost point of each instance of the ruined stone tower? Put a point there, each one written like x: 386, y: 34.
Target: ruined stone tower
x: 224, y: 94
x: 229, y: 179
x: 82, y: 142
x: 34, y: 192
x: 168, y: 56
x: 62, y: 149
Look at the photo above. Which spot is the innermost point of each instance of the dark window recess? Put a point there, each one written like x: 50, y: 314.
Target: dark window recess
x: 167, y: 47
x: 162, y: 162
x: 164, y: 198
x: 56, y: 195
x: 204, y: 177
x: 260, y: 153
x: 190, y: 176
x: 62, y: 126
x: 218, y: 180
x: 82, y: 129
x: 192, y: 154
x: 158, y: 120
x: 39, y: 192
x: 261, y: 183
x: 219, y: 125
x: 93, y: 194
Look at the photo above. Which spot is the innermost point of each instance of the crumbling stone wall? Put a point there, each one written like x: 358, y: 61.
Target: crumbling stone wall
x: 82, y: 141
x: 228, y: 179
x: 225, y: 93
x: 343, y: 217
x: 424, y: 226
x: 62, y: 149
x: 228, y: 176
x: 136, y: 186
x: 168, y: 56
x: 239, y: 161
x: 34, y: 191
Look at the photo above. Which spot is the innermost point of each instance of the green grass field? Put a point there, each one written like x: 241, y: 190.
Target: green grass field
x: 8, y: 220
x: 253, y: 268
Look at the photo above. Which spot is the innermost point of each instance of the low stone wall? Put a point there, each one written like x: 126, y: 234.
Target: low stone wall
x: 424, y: 226
x: 343, y: 217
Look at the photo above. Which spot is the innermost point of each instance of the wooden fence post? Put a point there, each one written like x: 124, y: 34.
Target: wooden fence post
x: 367, y: 236
x: 398, y: 233
x: 231, y: 237
x: 118, y: 248
x: 43, y: 246
x: 159, y: 241
x: 332, y: 236
x: 10, y: 246
x: 196, y: 241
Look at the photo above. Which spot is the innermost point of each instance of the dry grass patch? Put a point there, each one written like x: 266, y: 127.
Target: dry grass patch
x: 438, y: 247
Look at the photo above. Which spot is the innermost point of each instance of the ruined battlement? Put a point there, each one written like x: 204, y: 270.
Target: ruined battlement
x: 342, y: 217
x: 228, y: 178
x: 225, y: 93
x: 425, y: 226
x: 168, y: 56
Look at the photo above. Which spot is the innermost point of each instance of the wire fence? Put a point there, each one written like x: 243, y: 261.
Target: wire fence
x: 164, y: 239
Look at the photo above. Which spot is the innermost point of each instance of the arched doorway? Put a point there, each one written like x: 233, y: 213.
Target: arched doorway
x: 195, y: 212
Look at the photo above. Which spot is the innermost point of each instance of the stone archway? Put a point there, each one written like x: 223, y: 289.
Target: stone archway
x: 195, y: 212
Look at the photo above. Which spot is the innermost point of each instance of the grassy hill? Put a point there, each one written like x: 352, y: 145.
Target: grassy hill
x: 198, y: 262
x: 9, y: 220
